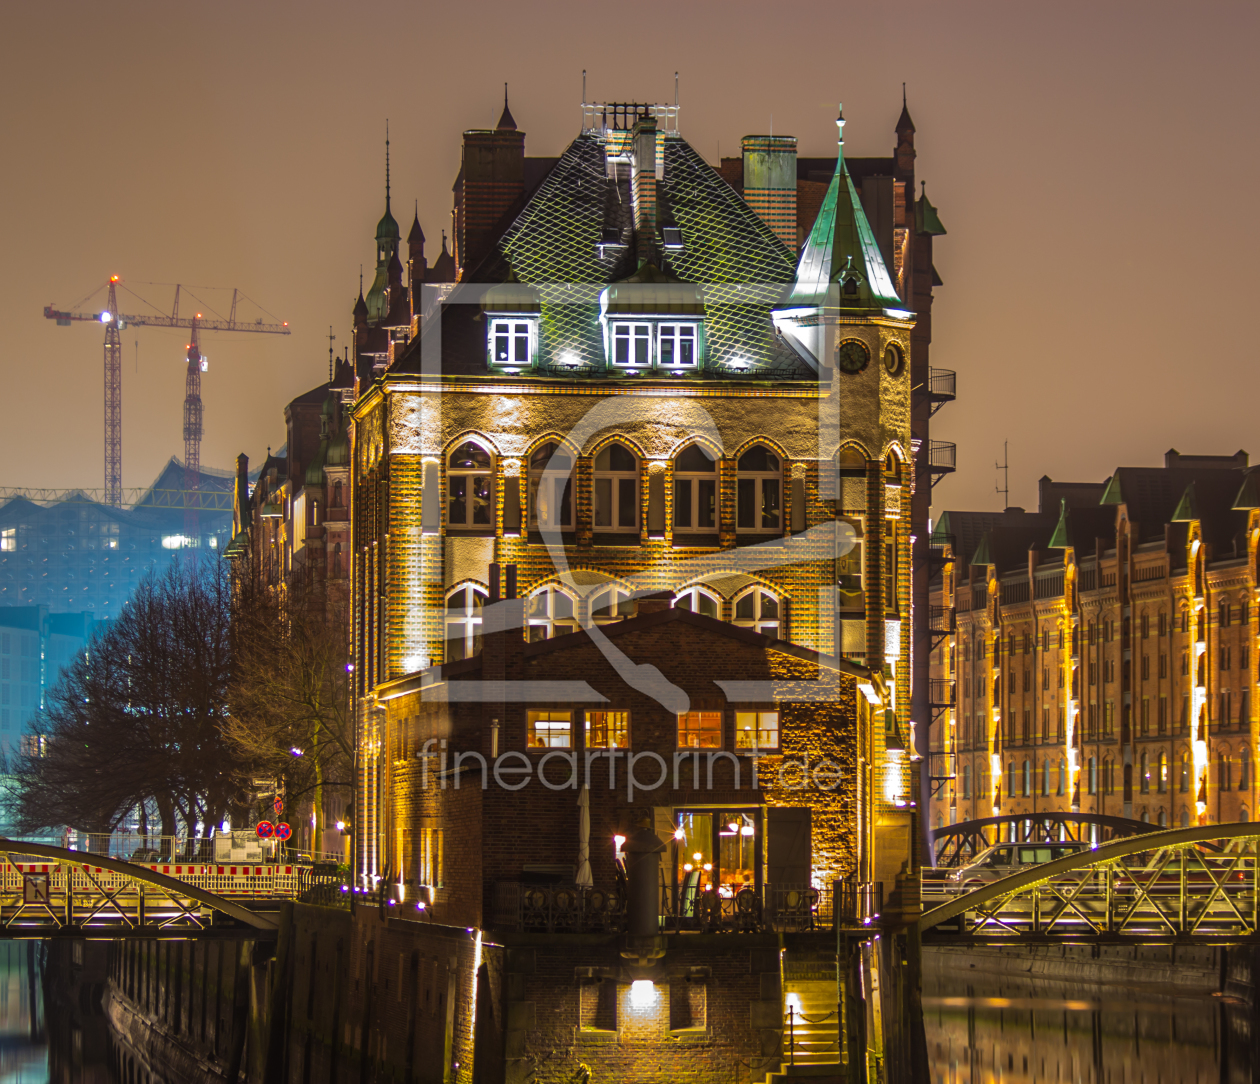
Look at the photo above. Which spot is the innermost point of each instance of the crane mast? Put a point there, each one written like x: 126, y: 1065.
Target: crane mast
x: 113, y: 403
x: 192, y: 438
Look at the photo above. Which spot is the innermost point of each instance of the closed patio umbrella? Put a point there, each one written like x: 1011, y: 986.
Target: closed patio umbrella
x: 583, y: 876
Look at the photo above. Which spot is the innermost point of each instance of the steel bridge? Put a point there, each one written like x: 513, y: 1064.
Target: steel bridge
x: 958, y: 844
x: 1188, y: 885
x: 48, y: 892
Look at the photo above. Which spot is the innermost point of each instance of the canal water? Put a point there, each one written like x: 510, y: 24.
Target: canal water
x: 1003, y: 1022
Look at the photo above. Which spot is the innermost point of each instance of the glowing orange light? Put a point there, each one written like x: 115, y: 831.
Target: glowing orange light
x: 198, y: 316
x: 286, y: 323
x: 113, y: 278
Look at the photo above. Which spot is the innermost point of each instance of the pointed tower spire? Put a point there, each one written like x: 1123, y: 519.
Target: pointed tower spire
x: 387, y: 237
x: 506, y: 121
x: 386, y: 165
x: 841, y: 251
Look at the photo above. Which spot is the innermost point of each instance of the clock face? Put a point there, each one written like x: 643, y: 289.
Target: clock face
x: 853, y: 356
x: 893, y: 359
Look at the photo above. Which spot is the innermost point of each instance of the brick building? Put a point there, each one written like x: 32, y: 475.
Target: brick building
x: 293, y: 524
x: 641, y: 377
x: 1101, y: 658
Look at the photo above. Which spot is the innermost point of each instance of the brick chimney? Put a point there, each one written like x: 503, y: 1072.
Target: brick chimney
x: 491, y: 179
x: 770, y: 183
x: 643, y: 177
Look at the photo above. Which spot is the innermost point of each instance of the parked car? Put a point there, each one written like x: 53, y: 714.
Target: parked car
x: 1004, y: 859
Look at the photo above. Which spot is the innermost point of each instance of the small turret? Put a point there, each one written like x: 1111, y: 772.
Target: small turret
x: 507, y: 122
x: 905, y: 152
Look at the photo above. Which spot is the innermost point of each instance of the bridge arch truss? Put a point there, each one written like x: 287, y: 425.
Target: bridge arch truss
x: 1188, y: 884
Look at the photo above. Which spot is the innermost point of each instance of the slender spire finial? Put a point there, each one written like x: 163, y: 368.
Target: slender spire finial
x: 387, y: 163
x: 903, y: 95
x: 360, y: 280
x: 504, y: 95
x: 331, y: 336
x: 840, y: 129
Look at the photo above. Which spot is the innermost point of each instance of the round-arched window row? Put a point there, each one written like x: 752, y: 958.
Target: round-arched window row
x: 616, y: 490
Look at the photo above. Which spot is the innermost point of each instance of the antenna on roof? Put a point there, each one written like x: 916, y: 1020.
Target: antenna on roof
x: 331, y: 336
x: 675, y: 90
x: 583, y: 86
x: 1005, y: 487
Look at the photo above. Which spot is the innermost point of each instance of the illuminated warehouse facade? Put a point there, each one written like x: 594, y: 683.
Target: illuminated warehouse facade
x: 640, y: 394
x: 1103, y: 660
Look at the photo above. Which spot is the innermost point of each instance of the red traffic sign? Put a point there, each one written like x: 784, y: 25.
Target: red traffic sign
x: 283, y: 831
x: 277, y: 805
x: 264, y: 829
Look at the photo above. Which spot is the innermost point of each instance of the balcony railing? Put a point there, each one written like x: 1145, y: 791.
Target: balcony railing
x: 783, y: 907
x: 942, y: 456
x: 941, y: 693
x: 942, y: 387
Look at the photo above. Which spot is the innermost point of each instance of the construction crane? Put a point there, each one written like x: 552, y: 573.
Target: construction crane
x: 114, y: 322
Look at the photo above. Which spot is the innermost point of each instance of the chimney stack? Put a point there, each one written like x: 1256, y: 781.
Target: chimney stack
x: 770, y: 183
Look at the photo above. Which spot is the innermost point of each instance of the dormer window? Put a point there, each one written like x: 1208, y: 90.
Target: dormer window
x: 632, y: 344
x: 671, y: 237
x: 512, y: 342
x: 643, y: 344
x: 678, y: 346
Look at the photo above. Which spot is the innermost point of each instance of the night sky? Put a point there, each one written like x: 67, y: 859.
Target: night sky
x: 1095, y: 164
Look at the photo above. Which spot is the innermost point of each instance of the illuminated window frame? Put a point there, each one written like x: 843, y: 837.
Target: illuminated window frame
x: 607, y: 729
x: 548, y: 729
x: 756, y: 730
x: 761, y: 610
x: 700, y: 730
x: 511, y: 341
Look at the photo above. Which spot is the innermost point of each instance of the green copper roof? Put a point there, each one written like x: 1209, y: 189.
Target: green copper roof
x: 926, y: 219
x: 315, y: 472
x: 1187, y: 507
x: 1112, y: 494
x: 842, y: 248
x: 982, y: 555
x: 1249, y: 494
x: 1060, y: 540
x: 387, y: 228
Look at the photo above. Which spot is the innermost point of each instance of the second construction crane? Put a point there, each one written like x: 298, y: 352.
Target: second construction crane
x: 114, y: 322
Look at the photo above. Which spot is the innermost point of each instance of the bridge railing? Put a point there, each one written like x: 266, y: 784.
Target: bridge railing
x: 230, y: 847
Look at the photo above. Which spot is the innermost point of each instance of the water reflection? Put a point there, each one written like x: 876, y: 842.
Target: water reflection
x: 1012, y: 1026
x: 23, y: 1044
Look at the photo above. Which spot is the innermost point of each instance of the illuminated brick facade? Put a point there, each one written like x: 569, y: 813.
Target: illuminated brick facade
x: 636, y: 388
x: 1104, y: 649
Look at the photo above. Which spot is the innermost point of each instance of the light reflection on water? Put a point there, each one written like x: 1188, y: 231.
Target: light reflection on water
x: 1013, y: 1027
x: 23, y: 1044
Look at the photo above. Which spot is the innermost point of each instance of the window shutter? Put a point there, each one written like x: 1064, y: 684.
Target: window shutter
x: 788, y: 849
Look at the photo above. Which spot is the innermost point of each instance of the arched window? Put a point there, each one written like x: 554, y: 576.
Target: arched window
x: 1185, y: 817
x: 695, y: 491
x: 1045, y: 778
x: 1243, y: 815
x: 463, y: 622
x: 966, y: 781
x: 616, y: 495
x: 1184, y: 783
x: 336, y: 561
x: 758, y: 609
x: 1161, y: 774
x: 758, y: 489
x: 550, y: 497
x: 698, y: 601
x: 1146, y: 817
x: 336, y: 495
x: 1092, y: 778
x: 1144, y: 779
x: 1244, y: 770
x: 1010, y: 779
x: 1062, y: 776
x: 610, y: 605
x: 1027, y: 791
x: 549, y: 613
x: 1224, y: 770
x: 1163, y: 818
x: 468, y: 487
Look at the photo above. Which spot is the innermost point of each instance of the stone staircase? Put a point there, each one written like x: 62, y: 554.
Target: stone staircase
x: 811, y: 1046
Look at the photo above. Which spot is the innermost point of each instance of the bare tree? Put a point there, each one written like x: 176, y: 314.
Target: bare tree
x: 136, y: 720
x: 290, y: 717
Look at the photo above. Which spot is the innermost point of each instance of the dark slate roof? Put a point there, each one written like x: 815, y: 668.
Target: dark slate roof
x: 555, y: 241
